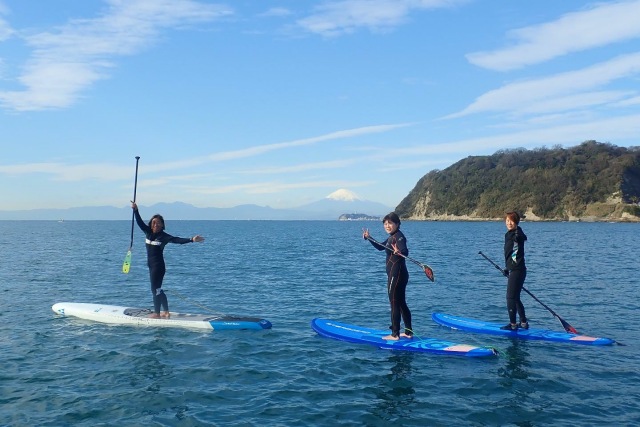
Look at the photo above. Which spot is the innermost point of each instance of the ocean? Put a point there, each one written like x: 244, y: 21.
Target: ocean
x: 59, y: 371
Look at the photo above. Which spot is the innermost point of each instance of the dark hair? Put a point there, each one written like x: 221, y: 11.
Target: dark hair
x: 159, y: 217
x: 513, y: 216
x: 393, y: 217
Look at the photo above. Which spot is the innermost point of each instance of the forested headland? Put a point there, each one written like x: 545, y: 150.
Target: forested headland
x: 592, y: 181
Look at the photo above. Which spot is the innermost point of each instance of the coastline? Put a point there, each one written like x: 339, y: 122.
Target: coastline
x: 614, y: 213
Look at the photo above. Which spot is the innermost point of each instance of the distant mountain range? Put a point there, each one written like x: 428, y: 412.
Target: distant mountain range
x: 330, y: 208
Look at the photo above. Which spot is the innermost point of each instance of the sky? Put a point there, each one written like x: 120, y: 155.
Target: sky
x: 281, y: 103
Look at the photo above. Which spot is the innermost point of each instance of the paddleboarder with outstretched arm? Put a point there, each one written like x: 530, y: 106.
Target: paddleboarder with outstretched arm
x: 156, y: 240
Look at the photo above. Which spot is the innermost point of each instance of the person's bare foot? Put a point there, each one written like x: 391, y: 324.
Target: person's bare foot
x: 165, y: 315
x: 154, y: 316
x: 403, y: 335
x: 390, y: 338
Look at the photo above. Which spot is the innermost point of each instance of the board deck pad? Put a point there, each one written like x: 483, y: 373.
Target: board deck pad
x: 140, y: 316
x: 363, y: 335
x: 492, y: 328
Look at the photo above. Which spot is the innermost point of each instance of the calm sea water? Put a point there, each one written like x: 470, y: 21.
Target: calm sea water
x: 60, y: 371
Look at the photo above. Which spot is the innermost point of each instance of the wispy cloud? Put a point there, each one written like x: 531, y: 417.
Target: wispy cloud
x: 261, y: 149
x: 79, y: 53
x: 5, y: 29
x: 420, y: 165
x: 602, y: 25
x: 273, y: 187
x: 5, y: 33
x: 584, y: 100
x: 67, y: 172
x: 334, y: 18
x: 601, y: 130
x: 258, y: 150
x: 518, y: 97
x: 303, y: 167
x: 108, y: 172
x: 629, y: 102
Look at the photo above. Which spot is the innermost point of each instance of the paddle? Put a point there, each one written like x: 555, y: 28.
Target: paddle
x: 567, y: 327
x: 428, y: 271
x: 127, y: 259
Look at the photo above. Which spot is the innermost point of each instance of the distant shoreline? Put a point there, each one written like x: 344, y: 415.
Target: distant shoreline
x: 438, y: 219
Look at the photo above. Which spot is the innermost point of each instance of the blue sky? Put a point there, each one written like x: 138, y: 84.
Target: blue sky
x: 280, y: 103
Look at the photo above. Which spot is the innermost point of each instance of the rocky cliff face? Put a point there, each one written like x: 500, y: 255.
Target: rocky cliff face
x: 592, y: 182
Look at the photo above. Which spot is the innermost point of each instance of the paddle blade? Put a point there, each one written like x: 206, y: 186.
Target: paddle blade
x: 567, y: 327
x: 127, y: 262
x: 429, y: 272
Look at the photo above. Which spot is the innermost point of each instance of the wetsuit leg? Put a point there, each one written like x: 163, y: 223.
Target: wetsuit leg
x: 392, y: 283
x: 520, y: 306
x: 156, y: 274
x: 514, y: 288
x: 396, y: 287
x: 164, y: 303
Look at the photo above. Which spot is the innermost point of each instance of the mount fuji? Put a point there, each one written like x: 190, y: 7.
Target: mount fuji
x: 344, y: 201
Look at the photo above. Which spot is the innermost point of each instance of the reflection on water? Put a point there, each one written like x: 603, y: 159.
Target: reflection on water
x: 396, y: 392
x: 514, y: 378
x: 516, y: 364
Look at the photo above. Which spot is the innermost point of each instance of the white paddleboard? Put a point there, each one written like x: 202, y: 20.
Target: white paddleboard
x: 121, y: 315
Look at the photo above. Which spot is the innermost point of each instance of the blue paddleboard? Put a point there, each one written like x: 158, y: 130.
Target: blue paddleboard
x: 362, y: 335
x: 481, y: 327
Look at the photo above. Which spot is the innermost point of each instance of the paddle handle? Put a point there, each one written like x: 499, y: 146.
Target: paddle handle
x: 135, y: 188
x: 504, y: 273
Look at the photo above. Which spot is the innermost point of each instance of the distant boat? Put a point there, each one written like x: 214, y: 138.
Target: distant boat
x: 61, y: 220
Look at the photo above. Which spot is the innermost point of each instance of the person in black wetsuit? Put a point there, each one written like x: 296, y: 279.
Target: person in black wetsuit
x: 397, y: 275
x: 515, y: 270
x: 156, y: 240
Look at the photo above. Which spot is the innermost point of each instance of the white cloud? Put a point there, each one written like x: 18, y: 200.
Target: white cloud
x: 334, y: 18
x: 604, y: 130
x: 74, y: 56
x: 604, y: 24
x: 517, y: 96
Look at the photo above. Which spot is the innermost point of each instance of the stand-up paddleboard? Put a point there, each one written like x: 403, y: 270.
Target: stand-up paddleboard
x: 481, y: 327
x: 140, y: 317
x: 362, y: 335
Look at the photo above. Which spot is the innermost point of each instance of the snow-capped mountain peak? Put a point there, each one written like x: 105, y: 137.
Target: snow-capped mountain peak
x: 343, y: 195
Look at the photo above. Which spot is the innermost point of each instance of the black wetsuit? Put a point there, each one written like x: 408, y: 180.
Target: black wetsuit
x: 397, y: 279
x: 155, y: 260
x: 515, y: 265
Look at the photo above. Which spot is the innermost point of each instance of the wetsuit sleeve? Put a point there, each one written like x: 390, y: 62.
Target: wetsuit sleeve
x: 144, y: 227
x: 377, y: 246
x: 514, y: 249
x: 179, y: 240
x: 519, y: 237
